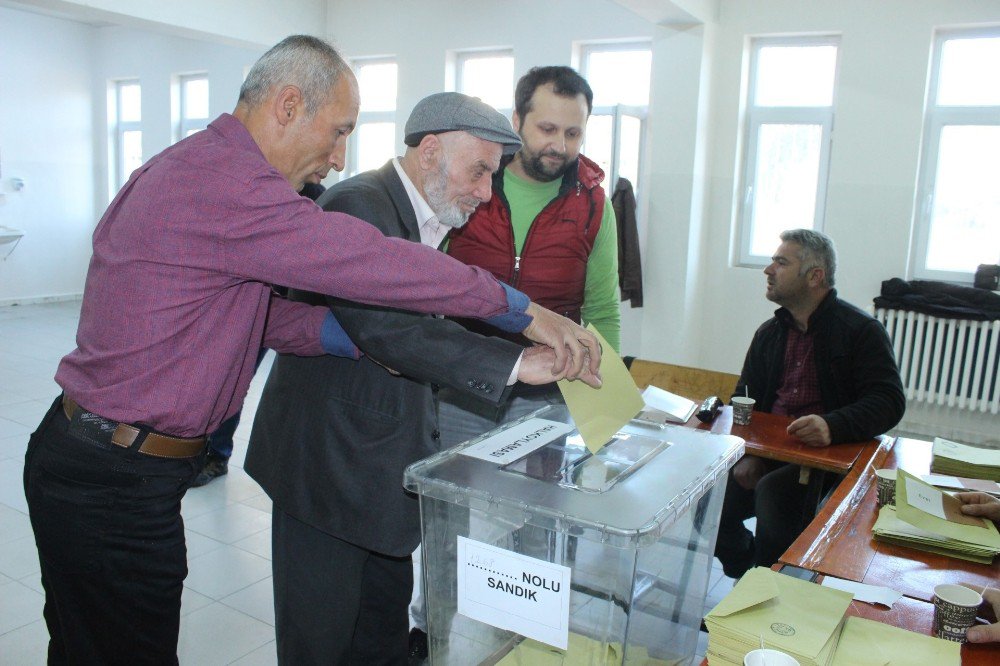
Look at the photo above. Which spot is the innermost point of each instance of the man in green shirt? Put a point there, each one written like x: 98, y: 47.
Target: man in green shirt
x: 549, y: 230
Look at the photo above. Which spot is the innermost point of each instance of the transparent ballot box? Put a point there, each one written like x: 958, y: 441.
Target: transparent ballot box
x: 537, y: 552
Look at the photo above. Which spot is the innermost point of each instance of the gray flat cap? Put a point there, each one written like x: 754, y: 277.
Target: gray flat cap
x: 455, y: 112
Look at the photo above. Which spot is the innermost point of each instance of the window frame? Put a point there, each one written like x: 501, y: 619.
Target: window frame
x: 120, y: 128
x: 619, y: 111
x: 185, y: 124
x: 757, y: 117
x: 464, y: 56
x: 369, y: 117
x: 936, y: 118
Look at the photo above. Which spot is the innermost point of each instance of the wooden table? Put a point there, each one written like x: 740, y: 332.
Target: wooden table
x: 916, y: 616
x: 839, y: 541
x: 767, y: 437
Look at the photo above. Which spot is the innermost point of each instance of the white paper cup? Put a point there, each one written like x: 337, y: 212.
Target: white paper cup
x: 768, y: 657
x: 742, y: 410
x: 886, y: 487
x: 955, y: 609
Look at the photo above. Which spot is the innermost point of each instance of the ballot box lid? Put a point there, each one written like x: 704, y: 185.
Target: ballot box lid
x: 537, y: 470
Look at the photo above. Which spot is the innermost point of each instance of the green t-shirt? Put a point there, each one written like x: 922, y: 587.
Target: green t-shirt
x: 600, y: 297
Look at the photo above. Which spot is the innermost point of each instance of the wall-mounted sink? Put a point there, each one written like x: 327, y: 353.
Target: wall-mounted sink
x: 10, y: 235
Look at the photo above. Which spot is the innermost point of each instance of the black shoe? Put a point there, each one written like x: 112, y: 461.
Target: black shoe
x: 736, y: 562
x: 418, y: 647
x: 214, y: 467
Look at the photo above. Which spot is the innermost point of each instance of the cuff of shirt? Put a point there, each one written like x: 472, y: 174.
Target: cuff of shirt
x: 335, y: 340
x: 514, y: 320
x: 513, y: 373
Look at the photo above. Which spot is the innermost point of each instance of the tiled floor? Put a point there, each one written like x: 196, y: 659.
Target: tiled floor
x: 227, y: 611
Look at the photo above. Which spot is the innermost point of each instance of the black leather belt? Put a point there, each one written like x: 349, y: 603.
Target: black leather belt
x: 124, y: 435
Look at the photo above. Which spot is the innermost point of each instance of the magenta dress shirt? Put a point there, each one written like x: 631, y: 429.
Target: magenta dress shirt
x: 177, y: 303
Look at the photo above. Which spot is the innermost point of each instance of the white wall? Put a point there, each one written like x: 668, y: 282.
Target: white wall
x: 153, y: 59
x: 251, y: 23
x: 885, y: 51
x: 46, y: 139
x: 884, y: 55
x: 54, y: 132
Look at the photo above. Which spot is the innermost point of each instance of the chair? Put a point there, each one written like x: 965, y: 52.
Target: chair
x: 692, y: 383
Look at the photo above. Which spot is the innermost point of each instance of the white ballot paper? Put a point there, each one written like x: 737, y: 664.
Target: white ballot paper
x: 517, y: 442
x: 925, y: 498
x: 873, y: 594
x: 514, y: 592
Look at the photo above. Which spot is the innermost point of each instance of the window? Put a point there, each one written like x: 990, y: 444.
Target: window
x: 958, y: 199
x: 375, y: 137
x: 488, y: 75
x: 192, y: 105
x: 127, y: 122
x: 789, y: 118
x: 619, y: 75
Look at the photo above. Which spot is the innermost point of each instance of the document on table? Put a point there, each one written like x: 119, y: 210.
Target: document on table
x: 869, y: 643
x: 930, y: 509
x: 796, y: 617
x: 872, y: 594
x: 600, y: 413
x: 974, y: 462
x: 961, y: 483
x: 973, y: 455
x: 672, y: 407
x: 928, y: 519
x: 889, y: 528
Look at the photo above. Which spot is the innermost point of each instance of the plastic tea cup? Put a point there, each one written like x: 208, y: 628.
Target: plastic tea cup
x: 742, y: 409
x: 768, y: 657
x: 886, y: 487
x: 955, y: 608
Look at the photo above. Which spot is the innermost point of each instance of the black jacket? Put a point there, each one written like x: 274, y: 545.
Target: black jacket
x: 858, y: 379
x: 332, y: 435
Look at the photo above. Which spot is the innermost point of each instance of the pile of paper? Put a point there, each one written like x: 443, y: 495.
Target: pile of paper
x: 664, y: 407
x: 807, y: 621
x: 929, y: 519
x: 776, y: 611
x: 582, y: 651
x: 868, y: 643
x: 963, y: 460
x: 889, y: 528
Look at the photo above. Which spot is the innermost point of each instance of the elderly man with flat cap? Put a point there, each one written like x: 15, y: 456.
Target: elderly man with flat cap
x: 333, y: 435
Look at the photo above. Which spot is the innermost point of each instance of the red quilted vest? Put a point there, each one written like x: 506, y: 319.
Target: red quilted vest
x: 552, y: 268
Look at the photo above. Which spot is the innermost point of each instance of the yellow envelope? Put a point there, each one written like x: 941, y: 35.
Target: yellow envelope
x: 581, y: 651
x: 791, y: 615
x: 600, y: 413
x: 869, y: 643
x: 978, y: 531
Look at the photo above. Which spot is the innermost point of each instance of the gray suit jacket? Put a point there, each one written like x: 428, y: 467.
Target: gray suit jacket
x: 332, y: 436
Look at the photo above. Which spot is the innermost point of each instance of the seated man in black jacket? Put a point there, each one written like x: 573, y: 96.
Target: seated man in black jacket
x: 821, y: 361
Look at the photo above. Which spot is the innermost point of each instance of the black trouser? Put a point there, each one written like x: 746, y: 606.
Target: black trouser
x: 110, y: 540
x: 334, y: 602
x: 777, y: 501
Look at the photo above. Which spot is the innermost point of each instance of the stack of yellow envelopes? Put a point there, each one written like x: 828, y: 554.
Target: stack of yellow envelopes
x: 889, y: 528
x: 928, y: 519
x: 783, y: 613
x: 868, y: 643
x: 581, y: 651
x: 956, y: 459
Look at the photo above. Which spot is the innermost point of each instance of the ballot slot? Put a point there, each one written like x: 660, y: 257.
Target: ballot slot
x: 567, y: 462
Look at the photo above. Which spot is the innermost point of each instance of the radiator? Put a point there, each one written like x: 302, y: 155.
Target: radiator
x: 947, y: 362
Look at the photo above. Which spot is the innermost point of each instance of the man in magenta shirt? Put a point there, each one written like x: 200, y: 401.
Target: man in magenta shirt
x: 176, y: 306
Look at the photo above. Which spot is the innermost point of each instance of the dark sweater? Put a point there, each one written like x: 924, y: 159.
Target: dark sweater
x: 858, y: 378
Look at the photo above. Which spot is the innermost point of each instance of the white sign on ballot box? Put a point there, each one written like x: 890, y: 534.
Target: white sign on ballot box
x: 517, y: 441
x: 514, y: 592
